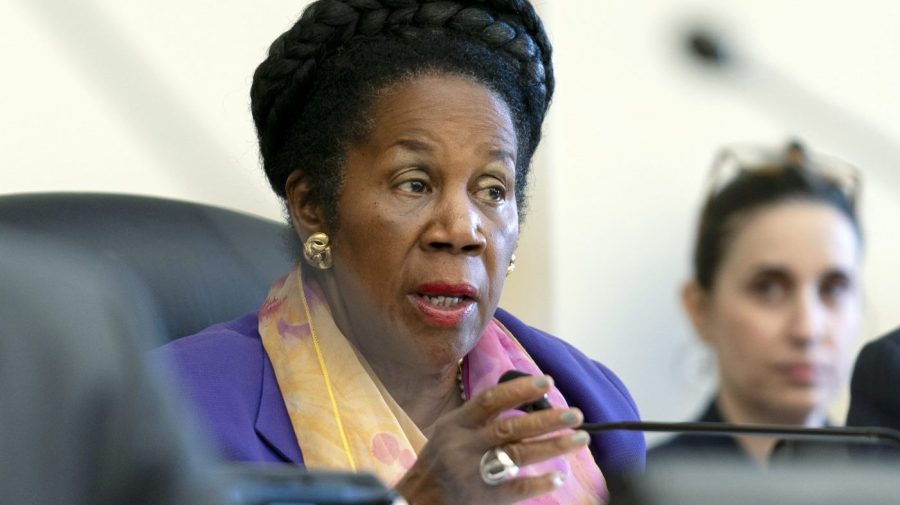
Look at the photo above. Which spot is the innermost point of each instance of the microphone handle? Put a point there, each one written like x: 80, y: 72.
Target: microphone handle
x: 870, y: 435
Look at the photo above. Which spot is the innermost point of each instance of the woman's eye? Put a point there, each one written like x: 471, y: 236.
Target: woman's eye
x: 492, y: 193
x: 413, y: 186
x: 834, y: 288
x: 769, y: 290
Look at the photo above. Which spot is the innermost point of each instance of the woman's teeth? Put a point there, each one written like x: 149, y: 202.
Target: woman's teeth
x: 443, y: 301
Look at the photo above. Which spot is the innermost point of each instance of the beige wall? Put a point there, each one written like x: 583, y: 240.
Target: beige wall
x: 151, y: 97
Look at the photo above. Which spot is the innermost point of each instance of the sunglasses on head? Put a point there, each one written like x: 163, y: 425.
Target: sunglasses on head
x: 739, y: 160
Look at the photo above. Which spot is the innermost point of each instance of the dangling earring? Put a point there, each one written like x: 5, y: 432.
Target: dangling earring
x: 512, y: 265
x: 317, y: 251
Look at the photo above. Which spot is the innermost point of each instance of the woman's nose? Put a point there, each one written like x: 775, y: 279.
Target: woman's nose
x: 456, y: 226
x: 809, y: 319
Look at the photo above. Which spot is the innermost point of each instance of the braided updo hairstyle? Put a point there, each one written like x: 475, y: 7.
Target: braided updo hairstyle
x: 312, y: 96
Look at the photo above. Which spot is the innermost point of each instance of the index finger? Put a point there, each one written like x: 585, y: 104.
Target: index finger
x: 489, y: 403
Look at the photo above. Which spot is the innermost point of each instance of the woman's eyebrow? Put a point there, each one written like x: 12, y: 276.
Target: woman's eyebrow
x: 770, y: 270
x: 838, y: 271
x: 413, y: 145
x: 501, y: 154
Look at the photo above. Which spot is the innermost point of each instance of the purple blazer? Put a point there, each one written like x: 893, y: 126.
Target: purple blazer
x: 226, y: 375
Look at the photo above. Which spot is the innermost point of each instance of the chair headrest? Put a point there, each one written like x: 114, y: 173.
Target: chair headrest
x: 199, y: 264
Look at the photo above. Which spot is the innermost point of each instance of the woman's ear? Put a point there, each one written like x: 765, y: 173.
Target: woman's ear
x: 696, y: 302
x: 306, y: 213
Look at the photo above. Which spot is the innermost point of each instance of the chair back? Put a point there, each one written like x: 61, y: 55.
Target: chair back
x: 198, y: 264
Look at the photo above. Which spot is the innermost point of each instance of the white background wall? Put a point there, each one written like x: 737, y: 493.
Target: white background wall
x: 151, y: 97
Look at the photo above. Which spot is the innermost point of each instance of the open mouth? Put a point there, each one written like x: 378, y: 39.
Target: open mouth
x: 444, y: 302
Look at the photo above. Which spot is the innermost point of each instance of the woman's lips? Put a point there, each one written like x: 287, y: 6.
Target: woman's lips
x: 445, y: 304
x: 441, y: 288
x: 804, y: 374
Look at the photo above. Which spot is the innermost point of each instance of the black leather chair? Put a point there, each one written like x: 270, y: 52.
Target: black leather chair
x: 83, y: 419
x: 87, y: 281
x: 195, y: 264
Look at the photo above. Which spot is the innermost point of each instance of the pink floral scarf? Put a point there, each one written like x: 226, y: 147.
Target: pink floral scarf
x: 344, y: 418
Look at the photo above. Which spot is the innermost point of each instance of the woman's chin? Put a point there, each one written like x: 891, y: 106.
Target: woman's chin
x: 798, y: 407
x: 433, y: 339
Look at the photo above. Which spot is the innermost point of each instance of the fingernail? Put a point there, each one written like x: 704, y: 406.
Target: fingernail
x: 558, y: 479
x: 569, y: 417
x: 580, y: 438
x: 541, y: 381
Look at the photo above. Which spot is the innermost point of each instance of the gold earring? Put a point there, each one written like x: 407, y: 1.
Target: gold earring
x: 512, y: 265
x: 317, y: 251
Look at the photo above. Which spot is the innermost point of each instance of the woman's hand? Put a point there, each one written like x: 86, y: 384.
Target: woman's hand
x: 447, y: 470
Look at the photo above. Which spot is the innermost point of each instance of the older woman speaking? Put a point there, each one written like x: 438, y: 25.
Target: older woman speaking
x: 399, y: 134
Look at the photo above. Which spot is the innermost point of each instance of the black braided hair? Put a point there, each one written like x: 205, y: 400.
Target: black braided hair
x: 311, y: 97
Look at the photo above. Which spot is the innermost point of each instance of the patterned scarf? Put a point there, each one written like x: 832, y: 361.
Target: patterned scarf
x: 343, y: 416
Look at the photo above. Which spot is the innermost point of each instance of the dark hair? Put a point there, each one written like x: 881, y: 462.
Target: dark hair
x: 752, y: 190
x: 311, y: 98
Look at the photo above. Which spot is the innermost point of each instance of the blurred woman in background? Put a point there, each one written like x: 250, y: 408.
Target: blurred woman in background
x: 775, y: 295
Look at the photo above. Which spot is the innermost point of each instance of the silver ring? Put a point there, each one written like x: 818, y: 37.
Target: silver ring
x: 497, y: 466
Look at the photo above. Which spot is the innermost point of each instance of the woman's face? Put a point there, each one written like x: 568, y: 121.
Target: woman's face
x: 784, y: 310
x: 427, y: 222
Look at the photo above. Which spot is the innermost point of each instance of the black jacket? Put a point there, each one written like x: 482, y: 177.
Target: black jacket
x: 874, y: 396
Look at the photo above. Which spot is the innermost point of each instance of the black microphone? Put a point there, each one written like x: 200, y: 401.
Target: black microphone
x: 871, y: 435
x: 540, y: 404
